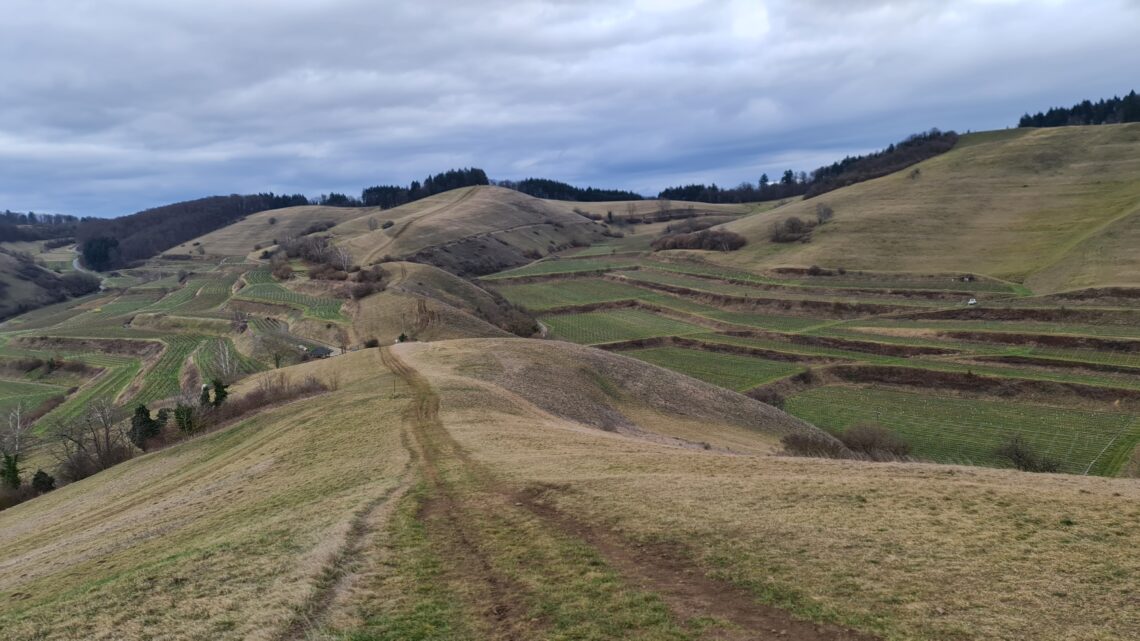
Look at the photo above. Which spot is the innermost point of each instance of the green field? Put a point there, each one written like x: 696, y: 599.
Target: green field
x: 162, y: 381
x: 29, y: 395
x: 564, y: 266
x: 968, y: 431
x: 610, y: 326
x: 540, y: 297
x: 734, y: 371
x: 323, y: 308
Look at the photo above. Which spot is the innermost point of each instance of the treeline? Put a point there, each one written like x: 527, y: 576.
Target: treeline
x: 112, y: 243
x: 790, y: 185
x: 388, y: 196
x: 1087, y: 112
x: 555, y: 190
x: 856, y: 169
x: 850, y: 170
x: 30, y: 226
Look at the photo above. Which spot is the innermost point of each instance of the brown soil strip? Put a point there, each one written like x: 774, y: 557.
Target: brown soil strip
x: 718, y: 348
x: 1033, y: 314
x: 1059, y: 363
x: 1056, y: 393
x: 1048, y: 340
x: 129, y: 347
x: 824, y: 288
x: 808, y: 307
x: 667, y: 571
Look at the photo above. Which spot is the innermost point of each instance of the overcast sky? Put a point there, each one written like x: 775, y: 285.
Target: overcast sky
x: 111, y: 106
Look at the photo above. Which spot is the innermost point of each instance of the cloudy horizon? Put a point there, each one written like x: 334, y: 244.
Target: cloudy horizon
x: 116, y: 106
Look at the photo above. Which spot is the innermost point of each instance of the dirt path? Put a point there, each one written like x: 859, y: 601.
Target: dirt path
x: 663, y: 570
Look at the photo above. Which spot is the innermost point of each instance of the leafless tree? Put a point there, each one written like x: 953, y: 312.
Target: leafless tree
x: 373, y: 224
x: 343, y: 258
x: 225, y: 364
x: 12, y: 444
x: 92, y: 442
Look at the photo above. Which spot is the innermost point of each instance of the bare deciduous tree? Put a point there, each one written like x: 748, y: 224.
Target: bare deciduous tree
x: 343, y: 258
x: 92, y: 442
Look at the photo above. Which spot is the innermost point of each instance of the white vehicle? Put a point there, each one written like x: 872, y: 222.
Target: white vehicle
x: 972, y: 301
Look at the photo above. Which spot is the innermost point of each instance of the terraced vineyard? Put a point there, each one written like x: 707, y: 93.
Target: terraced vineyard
x: 323, y: 308
x: 27, y: 394
x: 968, y: 431
x: 548, y: 267
x: 593, y: 328
x: 733, y: 371
x: 715, y: 307
x: 162, y: 380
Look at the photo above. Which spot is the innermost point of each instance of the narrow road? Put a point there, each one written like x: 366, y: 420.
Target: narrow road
x: 80, y: 268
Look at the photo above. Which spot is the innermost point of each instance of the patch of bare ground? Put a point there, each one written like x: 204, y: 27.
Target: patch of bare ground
x: 667, y: 570
x: 1059, y: 364
x: 140, y: 348
x: 1047, y: 340
x: 1032, y: 314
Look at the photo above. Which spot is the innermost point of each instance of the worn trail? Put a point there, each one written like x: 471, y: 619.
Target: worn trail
x: 666, y: 571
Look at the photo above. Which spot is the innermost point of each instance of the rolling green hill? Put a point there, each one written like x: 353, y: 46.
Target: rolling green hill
x: 1057, y: 209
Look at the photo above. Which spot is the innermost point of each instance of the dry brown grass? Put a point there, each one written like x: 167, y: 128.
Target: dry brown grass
x: 218, y: 538
x: 492, y: 213
x: 239, y: 238
x: 911, y: 551
x: 1057, y: 208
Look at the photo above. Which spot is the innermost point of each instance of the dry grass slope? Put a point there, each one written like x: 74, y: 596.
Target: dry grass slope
x: 1055, y: 208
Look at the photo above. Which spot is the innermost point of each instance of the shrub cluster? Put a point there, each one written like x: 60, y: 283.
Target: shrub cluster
x: 718, y: 240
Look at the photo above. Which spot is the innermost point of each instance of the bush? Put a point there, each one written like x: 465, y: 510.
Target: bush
x: 813, y: 445
x: 387, y: 224
x: 42, y: 482
x: 875, y: 442
x: 790, y: 230
x: 372, y: 342
x: 79, y: 283
x: 718, y: 240
x: 1018, y: 452
x: 768, y: 397
x: 823, y: 213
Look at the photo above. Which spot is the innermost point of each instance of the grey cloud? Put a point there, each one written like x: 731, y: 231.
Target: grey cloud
x: 115, y: 106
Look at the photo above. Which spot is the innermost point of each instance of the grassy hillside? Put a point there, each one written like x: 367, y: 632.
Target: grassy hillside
x: 239, y: 238
x: 1054, y: 208
x: 472, y: 230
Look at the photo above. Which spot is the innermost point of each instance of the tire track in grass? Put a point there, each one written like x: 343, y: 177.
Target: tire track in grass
x: 667, y: 573
x: 346, y: 564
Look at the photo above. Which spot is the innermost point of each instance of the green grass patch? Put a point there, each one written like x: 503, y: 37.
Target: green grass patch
x: 609, y: 326
x: 323, y: 308
x: 733, y: 371
x: 969, y: 431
